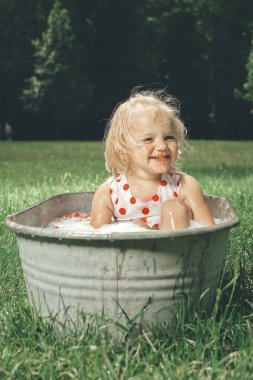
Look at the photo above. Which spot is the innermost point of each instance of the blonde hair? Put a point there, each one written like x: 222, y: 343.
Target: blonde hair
x: 118, y: 136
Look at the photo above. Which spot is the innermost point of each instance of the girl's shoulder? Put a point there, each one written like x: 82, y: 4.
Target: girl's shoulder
x: 108, y: 185
x: 109, y: 180
x: 187, y: 179
x: 116, y: 179
x: 102, y: 189
x: 189, y: 185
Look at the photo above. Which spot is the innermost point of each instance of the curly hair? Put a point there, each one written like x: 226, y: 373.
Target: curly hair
x: 118, y: 136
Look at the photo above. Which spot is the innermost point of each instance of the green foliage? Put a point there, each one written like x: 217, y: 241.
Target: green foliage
x: 52, y: 57
x: 18, y: 26
x: 54, y: 87
x: 202, y: 47
x: 248, y: 86
x: 87, y: 56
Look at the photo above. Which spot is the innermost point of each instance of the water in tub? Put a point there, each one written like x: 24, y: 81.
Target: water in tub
x: 80, y: 222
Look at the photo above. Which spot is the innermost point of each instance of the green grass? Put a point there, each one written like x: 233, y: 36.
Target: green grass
x: 201, y: 347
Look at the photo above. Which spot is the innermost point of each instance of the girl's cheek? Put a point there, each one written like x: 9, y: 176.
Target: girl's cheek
x: 174, y: 148
x: 145, y: 147
x: 176, y: 152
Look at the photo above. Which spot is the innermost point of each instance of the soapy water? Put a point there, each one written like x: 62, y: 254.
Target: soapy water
x: 80, y: 223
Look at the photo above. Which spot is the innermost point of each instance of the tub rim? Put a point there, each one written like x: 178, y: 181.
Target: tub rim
x: 40, y: 232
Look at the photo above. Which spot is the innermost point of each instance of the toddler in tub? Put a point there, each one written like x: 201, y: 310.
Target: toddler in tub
x: 144, y: 139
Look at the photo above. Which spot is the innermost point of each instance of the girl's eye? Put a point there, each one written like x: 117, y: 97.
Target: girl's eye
x: 148, y: 140
x: 169, y: 138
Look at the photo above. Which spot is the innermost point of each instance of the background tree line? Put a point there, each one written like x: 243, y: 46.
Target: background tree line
x: 65, y: 64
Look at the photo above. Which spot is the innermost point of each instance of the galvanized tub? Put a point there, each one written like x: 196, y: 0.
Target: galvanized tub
x: 117, y: 274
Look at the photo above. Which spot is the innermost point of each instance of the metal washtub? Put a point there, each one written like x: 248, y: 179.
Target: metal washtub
x: 117, y: 274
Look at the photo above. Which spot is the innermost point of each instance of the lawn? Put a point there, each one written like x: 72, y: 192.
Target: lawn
x: 216, y: 347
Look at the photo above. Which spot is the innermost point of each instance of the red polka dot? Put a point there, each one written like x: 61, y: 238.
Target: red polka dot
x: 144, y: 220
x: 163, y: 183
x: 117, y: 200
x: 155, y: 226
x: 132, y: 200
x: 175, y: 194
x: 122, y: 211
x: 126, y: 186
x: 155, y: 198
x: 118, y: 179
x: 110, y: 191
x: 145, y: 211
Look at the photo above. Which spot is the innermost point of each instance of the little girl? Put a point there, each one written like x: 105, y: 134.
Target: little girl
x: 144, y: 139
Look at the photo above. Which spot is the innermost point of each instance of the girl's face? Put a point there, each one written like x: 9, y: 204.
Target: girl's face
x: 156, y: 145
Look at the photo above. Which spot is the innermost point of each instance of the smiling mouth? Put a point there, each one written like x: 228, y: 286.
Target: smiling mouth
x: 160, y: 157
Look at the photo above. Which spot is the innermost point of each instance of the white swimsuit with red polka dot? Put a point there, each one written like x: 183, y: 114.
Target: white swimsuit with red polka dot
x: 127, y: 207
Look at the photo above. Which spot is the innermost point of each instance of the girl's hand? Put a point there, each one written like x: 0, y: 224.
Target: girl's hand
x: 102, y: 207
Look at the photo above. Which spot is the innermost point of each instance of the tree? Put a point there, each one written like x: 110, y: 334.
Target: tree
x: 19, y: 24
x: 201, y: 46
x: 114, y: 52
x: 52, y: 90
x: 248, y: 85
x: 79, y: 70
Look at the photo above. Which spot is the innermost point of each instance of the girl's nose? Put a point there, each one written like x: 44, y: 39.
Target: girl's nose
x: 161, y: 145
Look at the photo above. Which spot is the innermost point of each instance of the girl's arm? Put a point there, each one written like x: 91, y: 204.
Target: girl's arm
x: 102, y: 207
x: 192, y: 195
